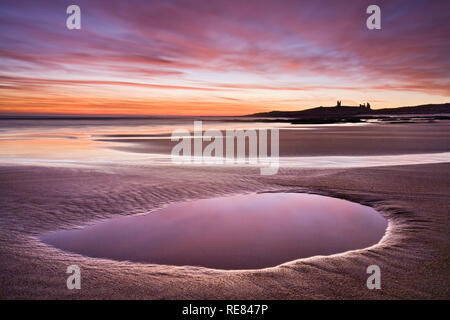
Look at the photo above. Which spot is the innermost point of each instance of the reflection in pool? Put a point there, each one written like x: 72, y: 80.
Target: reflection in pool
x: 237, y: 232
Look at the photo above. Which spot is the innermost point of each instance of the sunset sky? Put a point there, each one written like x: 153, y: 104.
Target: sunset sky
x: 214, y: 57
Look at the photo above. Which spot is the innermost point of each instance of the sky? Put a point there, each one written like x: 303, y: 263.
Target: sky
x: 214, y: 57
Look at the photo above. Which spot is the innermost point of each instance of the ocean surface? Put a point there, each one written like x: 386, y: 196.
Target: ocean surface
x: 119, y: 141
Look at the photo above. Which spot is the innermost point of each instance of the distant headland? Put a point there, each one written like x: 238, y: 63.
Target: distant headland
x: 361, y: 113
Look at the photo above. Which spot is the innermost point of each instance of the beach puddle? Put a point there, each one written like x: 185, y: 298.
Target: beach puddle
x: 237, y: 232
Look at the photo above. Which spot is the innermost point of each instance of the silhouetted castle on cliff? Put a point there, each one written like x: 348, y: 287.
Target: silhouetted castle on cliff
x: 366, y: 106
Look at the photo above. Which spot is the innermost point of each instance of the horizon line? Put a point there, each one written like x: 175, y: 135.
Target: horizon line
x: 143, y: 115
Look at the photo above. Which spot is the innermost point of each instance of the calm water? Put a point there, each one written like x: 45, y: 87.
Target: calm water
x: 237, y: 232
x: 106, y: 142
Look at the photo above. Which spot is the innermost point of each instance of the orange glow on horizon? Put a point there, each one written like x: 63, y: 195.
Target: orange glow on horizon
x: 227, y: 58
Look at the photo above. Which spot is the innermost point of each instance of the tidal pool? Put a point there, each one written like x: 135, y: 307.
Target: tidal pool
x: 237, y: 232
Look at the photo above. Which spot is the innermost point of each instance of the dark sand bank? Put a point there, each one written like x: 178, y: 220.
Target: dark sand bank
x: 413, y: 256
x: 346, y: 140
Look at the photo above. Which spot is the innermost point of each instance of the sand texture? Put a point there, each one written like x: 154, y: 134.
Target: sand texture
x: 413, y: 255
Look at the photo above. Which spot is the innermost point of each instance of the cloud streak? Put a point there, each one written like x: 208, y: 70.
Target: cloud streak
x: 245, y: 50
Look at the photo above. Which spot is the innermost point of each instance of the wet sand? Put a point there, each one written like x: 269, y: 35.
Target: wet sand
x: 413, y: 255
x: 320, y: 140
